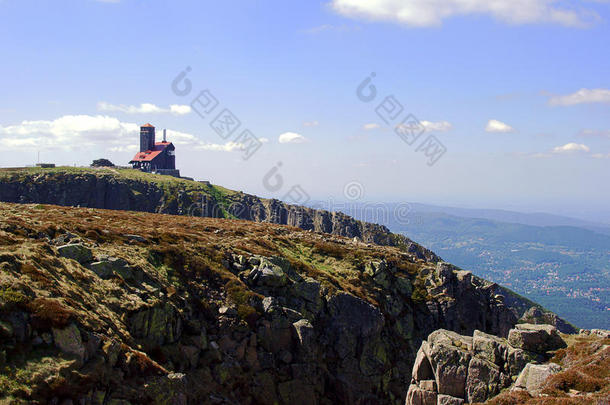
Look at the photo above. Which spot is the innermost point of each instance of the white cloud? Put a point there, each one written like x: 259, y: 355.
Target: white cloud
x: 441, y: 126
x: 311, y: 124
x: 498, y: 126
x: 600, y: 156
x: 425, y: 13
x: 582, y: 96
x: 144, y: 108
x: 370, y: 126
x: 180, y: 109
x: 291, y: 137
x: 79, y: 132
x: 571, y: 147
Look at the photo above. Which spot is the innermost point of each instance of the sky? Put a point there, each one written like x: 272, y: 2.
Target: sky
x: 486, y: 104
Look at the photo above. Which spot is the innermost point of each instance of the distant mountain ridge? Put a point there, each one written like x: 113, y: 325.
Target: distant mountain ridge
x: 534, y: 219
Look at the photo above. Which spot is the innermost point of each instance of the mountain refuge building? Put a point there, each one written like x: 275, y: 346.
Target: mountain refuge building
x: 155, y: 157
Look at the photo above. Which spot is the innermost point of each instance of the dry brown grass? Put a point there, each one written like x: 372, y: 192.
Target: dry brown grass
x: 586, y: 370
x: 178, y: 253
x: 50, y: 313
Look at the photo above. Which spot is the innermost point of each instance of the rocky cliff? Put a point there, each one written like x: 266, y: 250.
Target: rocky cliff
x: 124, y: 189
x: 115, y: 307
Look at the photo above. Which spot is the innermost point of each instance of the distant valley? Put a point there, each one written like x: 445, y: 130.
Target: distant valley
x: 562, y: 263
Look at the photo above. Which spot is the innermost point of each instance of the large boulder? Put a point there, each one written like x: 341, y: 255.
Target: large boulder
x: 107, y: 267
x: 449, y: 400
x: 484, y: 381
x: 272, y: 277
x: 418, y: 396
x: 535, y: 338
x: 449, y: 356
x: 76, y: 251
x: 464, y: 369
x: 536, y: 315
x: 533, y: 377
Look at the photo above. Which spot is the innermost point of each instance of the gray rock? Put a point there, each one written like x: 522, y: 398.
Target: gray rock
x: 483, y: 380
x: 489, y: 347
x: 533, y: 377
x: 136, y: 238
x: 418, y: 396
x: 449, y: 362
x: 272, y: 277
x: 444, y: 272
x: 464, y: 369
x: 535, y: 338
x: 428, y: 385
x: 374, y: 357
x: 422, y: 369
x: 270, y: 302
x: 306, y: 335
x: 107, y: 267
x: 355, y: 315
x: 449, y: 400
x: 69, y: 340
x: 160, y: 324
x: 309, y: 290
x: 535, y: 315
x: 516, y: 360
x: 77, y: 252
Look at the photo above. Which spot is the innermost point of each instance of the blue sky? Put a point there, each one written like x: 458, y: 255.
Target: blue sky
x: 517, y: 92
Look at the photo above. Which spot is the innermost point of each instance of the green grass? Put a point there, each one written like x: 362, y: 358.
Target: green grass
x: 170, y: 186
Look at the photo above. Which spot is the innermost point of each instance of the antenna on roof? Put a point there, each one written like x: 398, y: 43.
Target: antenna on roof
x: 164, y: 133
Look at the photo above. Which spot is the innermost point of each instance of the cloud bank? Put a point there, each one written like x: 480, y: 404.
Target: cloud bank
x: 582, y: 96
x: 571, y: 147
x: 78, y: 132
x: 426, y: 13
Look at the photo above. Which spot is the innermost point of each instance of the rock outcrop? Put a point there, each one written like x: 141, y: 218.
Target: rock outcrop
x: 536, y: 338
x: 214, y: 311
x: 454, y: 369
x: 538, y: 316
x: 131, y: 190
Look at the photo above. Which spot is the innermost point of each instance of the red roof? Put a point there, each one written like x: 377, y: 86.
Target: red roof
x: 149, y: 155
x: 147, y: 126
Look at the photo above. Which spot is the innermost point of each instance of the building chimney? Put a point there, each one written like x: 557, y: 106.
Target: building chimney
x: 164, y: 135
